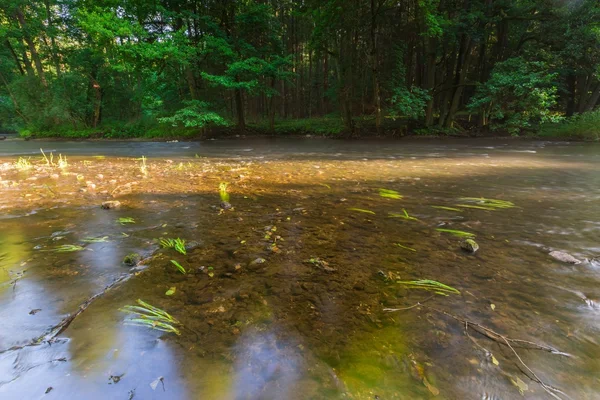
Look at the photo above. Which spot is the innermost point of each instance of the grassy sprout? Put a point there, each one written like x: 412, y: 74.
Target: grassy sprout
x: 390, y: 194
x: 485, y: 204
x: 23, y: 164
x: 223, y: 194
x: 361, y: 210
x: 151, y: 317
x: 405, y: 247
x: 126, y: 220
x: 456, y: 232
x: 143, y: 166
x: 68, y: 248
x: 447, y: 208
x: 62, y: 161
x: 176, y: 244
x: 103, y: 239
x: 179, y: 266
x: 429, y: 285
x: 403, y: 215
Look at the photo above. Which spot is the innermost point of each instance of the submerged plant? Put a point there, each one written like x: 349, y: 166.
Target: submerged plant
x: 390, y: 194
x: 176, y: 244
x: 23, y: 164
x: 429, y: 285
x: 179, y: 266
x: 151, y: 317
x: 456, y: 232
x: 223, y: 191
x: 49, y: 162
x: 362, y: 210
x: 126, y: 220
x: 68, y: 248
x: 403, y: 215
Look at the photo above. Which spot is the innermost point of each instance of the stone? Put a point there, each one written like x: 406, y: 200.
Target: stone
x: 564, y: 257
x: 469, y: 245
x: 132, y: 259
x: 108, y: 205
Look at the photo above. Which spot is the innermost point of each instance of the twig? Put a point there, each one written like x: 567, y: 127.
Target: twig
x: 487, y: 332
x: 408, y: 308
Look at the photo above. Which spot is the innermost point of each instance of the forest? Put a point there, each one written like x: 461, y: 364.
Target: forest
x: 167, y: 68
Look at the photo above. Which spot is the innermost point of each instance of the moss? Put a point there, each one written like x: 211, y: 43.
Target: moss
x: 132, y: 259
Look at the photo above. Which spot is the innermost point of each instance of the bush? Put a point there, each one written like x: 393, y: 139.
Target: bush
x: 584, y: 126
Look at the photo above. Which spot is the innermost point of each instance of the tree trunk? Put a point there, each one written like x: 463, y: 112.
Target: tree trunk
x: 592, y: 99
x: 17, y: 61
x: 430, y: 79
x: 239, y: 108
x: 34, y: 54
x: 462, y: 67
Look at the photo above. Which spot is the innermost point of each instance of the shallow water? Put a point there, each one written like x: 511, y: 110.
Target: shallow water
x: 286, y: 327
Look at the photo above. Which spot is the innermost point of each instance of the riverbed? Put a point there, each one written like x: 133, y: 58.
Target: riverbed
x: 296, y: 291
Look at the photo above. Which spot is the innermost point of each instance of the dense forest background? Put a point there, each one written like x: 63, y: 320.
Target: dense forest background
x: 120, y: 68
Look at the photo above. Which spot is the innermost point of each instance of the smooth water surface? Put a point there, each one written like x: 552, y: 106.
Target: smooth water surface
x: 284, y: 295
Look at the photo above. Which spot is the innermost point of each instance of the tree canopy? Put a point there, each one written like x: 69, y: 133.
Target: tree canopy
x: 123, y: 66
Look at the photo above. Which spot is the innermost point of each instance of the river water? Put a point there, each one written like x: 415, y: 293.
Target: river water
x: 285, y: 294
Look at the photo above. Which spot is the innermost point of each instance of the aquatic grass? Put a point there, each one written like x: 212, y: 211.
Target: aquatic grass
x: 456, y: 232
x: 179, y: 266
x: 103, y: 239
x: 447, y: 208
x: 23, y: 164
x: 404, y: 247
x: 403, y: 215
x: 223, y: 194
x: 429, y: 285
x: 126, y: 220
x: 390, y: 194
x: 67, y: 248
x: 177, y: 244
x: 151, y: 317
x: 362, y: 210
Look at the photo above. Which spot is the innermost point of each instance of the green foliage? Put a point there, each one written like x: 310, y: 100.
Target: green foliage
x: 584, y: 126
x: 196, y: 114
x: 520, y: 94
x: 223, y: 194
x: 408, y: 102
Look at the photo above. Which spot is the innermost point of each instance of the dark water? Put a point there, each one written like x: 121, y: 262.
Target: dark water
x: 287, y: 328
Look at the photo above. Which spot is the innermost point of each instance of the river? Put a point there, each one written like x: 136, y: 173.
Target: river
x: 299, y: 290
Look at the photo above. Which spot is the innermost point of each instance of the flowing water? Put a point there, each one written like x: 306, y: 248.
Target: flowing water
x: 284, y: 294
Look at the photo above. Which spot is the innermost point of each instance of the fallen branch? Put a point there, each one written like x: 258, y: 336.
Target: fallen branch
x: 57, y: 329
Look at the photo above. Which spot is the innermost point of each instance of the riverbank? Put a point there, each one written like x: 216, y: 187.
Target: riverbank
x: 578, y: 128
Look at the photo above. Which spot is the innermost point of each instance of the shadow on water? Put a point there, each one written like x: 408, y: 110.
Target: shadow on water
x: 269, y: 324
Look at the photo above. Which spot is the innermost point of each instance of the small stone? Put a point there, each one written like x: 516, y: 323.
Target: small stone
x: 564, y: 257
x: 189, y: 246
x: 225, y: 205
x: 108, y: 205
x: 469, y: 245
x: 259, y: 260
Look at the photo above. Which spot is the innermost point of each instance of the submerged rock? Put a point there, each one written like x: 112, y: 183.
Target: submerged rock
x: 189, y: 246
x: 225, y: 205
x: 132, y: 259
x: 564, y: 257
x: 469, y: 245
x: 259, y: 260
x: 107, y: 205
